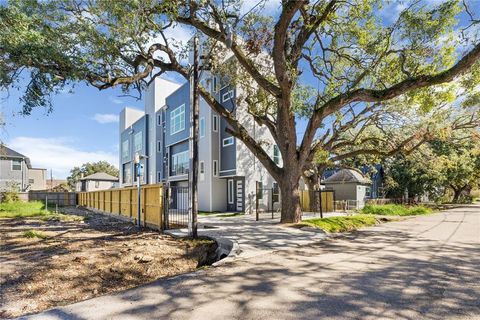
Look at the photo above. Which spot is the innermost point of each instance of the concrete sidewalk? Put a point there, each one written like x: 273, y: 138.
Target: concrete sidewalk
x: 255, y: 237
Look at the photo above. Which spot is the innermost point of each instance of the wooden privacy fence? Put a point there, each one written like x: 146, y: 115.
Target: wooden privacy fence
x: 124, y: 202
x: 60, y: 198
x: 327, y: 200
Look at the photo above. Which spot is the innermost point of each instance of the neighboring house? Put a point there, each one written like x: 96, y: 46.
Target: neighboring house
x: 37, y: 179
x: 15, y: 168
x: 97, y: 181
x: 376, y: 175
x: 349, y: 184
x: 228, y: 171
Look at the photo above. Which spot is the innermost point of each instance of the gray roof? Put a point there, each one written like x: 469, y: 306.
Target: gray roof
x: 100, y: 176
x: 347, y: 176
x: 6, y: 152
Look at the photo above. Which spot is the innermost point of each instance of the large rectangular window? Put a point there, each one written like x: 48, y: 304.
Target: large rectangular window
x: 125, y: 150
x: 127, y: 173
x: 180, y: 163
x: 276, y: 154
x: 201, y: 127
x: 159, y: 119
x: 137, y: 141
x: 177, y: 119
x: 17, y: 164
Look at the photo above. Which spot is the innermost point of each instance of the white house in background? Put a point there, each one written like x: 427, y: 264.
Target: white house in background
x: 96, y: 182
x: 349, y: 184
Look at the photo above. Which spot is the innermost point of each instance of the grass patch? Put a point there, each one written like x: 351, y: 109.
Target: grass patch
x: 33, y: 209
x: 395, y: 210
x: 341, y: 224
x: 34, y: 234
x: 207, y: 213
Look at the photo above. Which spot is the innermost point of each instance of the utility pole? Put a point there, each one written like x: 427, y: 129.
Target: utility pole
x: 194, y: 114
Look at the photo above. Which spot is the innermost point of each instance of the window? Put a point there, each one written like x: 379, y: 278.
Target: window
x: 215, y: 123
x: 227, y: 141
x: 177, y: 120
x: 368, y: 192
x: 159, y: 146
x: 159, y: 176
x: 127, y: 173
x: 227, y: 95
x: 97, y: 184
x: 276, y: 193
x: 31, y: 181
x: 202, y: 170
x: 230, y: 191
x: 276, y: 154
x: 17, y: 164
x: 259, y: 190
x: 215, y: 86
x: 215, y: 168
x: 201, y: 127
x: 180, y: 163
x: 159, y: 119
x: 137, y: 141
x: 125, y: 150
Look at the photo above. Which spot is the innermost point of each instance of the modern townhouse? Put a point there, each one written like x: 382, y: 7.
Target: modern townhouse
x: 229, y: 174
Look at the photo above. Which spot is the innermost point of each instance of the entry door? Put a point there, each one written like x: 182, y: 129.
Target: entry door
x: 239, y: 195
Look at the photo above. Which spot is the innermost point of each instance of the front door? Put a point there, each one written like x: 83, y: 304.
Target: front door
x: 239, y: 196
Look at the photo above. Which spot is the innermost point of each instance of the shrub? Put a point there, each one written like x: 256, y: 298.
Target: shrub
x: 11, y: 193
x: 395, y: 210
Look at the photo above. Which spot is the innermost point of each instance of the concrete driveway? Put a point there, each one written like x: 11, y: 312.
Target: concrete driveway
x: 422, y: 268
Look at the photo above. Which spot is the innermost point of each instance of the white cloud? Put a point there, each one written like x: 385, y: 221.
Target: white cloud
x: 58, y: 154
x: 105, y: 117
x: 115, y: 100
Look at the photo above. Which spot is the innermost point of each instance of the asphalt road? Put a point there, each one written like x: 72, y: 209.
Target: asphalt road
x: 422, y: 268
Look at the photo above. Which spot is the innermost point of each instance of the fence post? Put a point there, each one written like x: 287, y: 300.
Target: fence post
x: 271, y: 197
x: 321, y: 209
x: 256, y: 201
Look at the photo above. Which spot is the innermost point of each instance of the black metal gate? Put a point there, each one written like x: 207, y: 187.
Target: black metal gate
x: 265, y: 200
x: 176, y: 207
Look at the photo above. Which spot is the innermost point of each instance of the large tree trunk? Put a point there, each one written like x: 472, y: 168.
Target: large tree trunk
x: 291, y: 210
x: 457, y: 192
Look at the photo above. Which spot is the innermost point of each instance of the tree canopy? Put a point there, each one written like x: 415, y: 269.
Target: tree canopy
x: 90, y: 168
x: 309, y: 60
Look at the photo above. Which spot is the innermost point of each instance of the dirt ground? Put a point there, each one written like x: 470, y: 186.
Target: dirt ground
x: 81, y: 260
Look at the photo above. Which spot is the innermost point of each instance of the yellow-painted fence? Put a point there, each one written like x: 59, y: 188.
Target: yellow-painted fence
x: 124, y: 202
x: 327, y: 200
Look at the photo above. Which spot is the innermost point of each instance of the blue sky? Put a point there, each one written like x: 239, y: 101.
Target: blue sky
x: 83, y: 126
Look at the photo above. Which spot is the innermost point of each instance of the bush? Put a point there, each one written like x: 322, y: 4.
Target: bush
x: 395, y: 210
x: 11, y: 194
